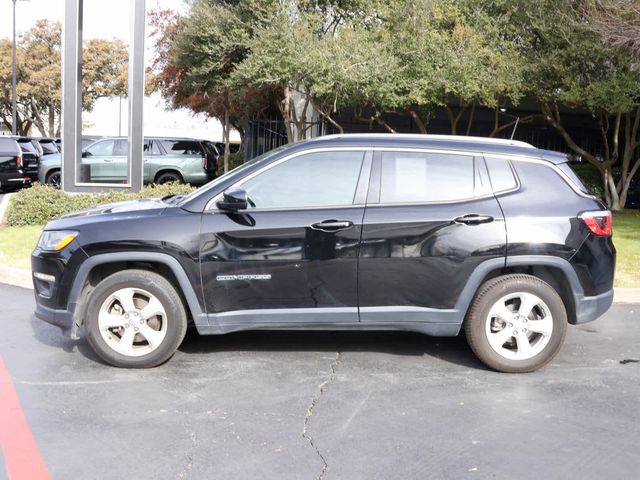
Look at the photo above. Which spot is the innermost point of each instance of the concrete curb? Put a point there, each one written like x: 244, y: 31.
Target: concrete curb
x: 21, y: 277
x: 4, y: 204
x: 626, y: 295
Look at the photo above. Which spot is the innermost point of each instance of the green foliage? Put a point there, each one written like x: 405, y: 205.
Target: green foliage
x: 39, y: 204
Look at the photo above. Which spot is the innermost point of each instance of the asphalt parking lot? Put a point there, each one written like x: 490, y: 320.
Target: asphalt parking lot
x: 308, y: 405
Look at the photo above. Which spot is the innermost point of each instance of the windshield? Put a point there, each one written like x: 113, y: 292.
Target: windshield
x: 213, y: 183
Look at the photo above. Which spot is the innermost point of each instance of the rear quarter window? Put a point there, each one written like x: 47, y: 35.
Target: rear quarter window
x: 573, y: 176
x: 181, y: 147
x: 9, y: 145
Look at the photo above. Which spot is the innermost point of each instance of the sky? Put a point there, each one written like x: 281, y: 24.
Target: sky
x: 110, y: 19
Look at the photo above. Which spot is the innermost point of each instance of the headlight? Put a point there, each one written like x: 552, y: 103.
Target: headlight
x: 56, y: 240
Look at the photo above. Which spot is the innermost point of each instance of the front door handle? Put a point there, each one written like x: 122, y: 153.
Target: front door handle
x: 473, y: 219
x: 332, y: 225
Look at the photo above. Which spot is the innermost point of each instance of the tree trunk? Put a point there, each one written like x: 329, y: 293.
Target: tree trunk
x: 285, y: 110
x: 417, y: 120
x: 470, y: 122
x: 225, y: 133
x: 52, y: 121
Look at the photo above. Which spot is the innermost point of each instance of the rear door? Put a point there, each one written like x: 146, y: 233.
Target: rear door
x: 430, y: 220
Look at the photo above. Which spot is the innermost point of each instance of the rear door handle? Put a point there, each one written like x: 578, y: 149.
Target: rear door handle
x: 332, y: 225
x: 473, y: 219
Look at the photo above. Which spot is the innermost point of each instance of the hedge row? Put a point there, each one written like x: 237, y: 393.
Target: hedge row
x: 40, y: 203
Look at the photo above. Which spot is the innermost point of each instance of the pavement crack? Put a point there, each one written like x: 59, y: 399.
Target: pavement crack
x: 190, y: 454
x: 307, y: 419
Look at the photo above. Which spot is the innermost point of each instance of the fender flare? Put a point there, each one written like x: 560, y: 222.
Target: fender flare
x: 488, y: 266
x: 75, y: 304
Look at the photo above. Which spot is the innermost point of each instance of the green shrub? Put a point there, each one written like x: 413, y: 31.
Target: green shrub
x: 235, y: 160
x: 39, y: 204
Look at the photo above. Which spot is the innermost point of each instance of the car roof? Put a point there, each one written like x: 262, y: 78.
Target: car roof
x: 151, y: 137
x: 445, y: 142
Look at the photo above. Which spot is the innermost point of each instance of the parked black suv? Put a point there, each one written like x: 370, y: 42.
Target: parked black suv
x: 12, y: 175
x: 373, y: 232
x: 31, y: 154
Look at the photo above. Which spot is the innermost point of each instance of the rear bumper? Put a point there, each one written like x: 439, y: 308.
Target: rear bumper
x: 592, y: 307
x: 14, y: 182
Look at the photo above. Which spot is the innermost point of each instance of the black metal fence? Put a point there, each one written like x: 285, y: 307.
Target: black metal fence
x: 264, y: 134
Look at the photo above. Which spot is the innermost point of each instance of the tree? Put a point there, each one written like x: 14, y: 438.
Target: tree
x: 616, y: 22
x: 39, y: 77
x: 569, y: 67
x: 196, y: 54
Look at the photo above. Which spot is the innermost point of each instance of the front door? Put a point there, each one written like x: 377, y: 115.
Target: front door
x: 292, y: 256
x: 430, y: 221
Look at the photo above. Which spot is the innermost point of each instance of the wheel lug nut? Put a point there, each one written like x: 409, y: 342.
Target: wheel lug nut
x: 510, y: 325
x: 141, y: 321
x: 524, y: 330
x: 126, y: 315
x: 135, y: 329
x: 515, y: 332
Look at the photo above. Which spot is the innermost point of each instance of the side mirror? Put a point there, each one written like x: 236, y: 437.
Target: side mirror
x: 233, y: 200
x: 86, y: 154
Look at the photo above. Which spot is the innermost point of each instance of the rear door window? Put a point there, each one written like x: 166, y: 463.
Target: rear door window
x: 417, y: 177
x: 501, y: 174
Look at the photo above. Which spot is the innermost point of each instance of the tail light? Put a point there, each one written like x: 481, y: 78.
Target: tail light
x: 19, y: 161
x: 598, y: 222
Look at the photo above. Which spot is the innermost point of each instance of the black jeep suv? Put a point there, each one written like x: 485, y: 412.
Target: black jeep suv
x: 373, y: 232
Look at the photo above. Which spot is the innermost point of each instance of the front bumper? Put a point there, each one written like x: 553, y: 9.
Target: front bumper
x: 63, y: 319
x: 592, y: 307
x: 53, y: 278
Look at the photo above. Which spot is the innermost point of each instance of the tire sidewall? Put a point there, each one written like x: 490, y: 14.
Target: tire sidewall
x: 476, y: 326
x: 170, y: 178
x: 163, y: 291
x: 50, y: 183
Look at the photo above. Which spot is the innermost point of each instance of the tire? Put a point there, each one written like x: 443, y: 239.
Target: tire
x: 508, y: 339
x: 169, y: 177
x: 116, y: 313
x: 54, y: 179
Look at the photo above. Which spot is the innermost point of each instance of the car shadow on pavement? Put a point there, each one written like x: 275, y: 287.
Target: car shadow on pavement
x: 449, y: 349
x: 53, y: 337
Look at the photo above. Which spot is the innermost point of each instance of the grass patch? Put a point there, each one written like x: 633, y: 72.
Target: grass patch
x: 626, y: 238
x: 16, y: 245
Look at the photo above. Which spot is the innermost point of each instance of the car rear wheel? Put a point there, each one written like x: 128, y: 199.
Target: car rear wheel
x: 135, y: 319
x: 169, y: 177
x: 54, y: 179
x: 516, y: 324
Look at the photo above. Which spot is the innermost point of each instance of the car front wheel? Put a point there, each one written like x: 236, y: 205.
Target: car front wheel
x: 135, y: 319
x: 516, y: 323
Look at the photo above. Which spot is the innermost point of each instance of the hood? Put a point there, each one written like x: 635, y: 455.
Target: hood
x: 113, y: 211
